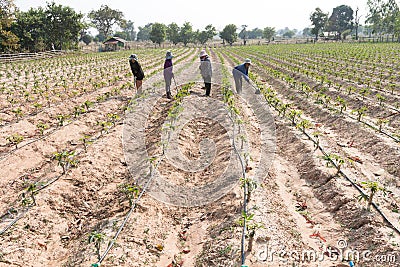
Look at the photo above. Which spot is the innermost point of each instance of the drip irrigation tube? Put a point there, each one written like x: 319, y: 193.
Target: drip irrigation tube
x: 127, y: 216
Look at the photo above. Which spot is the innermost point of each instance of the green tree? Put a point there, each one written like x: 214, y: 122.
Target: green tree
x: 129, y: 29
x: 383, y: 17
x: 268, y: 33
x: 289, y: 34
x: 229, y: 34
x: 63, y: 26
x: 318, y: 20
x: 206, y: 35
x: 173, y: 33
x: 8, y: 40
x: 105, y: 18
x: 255, y: 33
x: 391, y: 16
x: 375, y: 16
x: 31, y: 29
x: 40, y: 29
x: 307, y: 32
x: 99, y: 38
x: 340, y: 20
x: 87, y: 39
x: 121, y: 34
x: 144, y: 32
x: 158, y: 33
x: 186, y: 33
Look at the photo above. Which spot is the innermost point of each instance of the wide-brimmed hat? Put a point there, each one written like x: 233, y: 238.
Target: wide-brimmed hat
x: 169, y: 55
x: 247, y: 61
x: 203, y: 53
x: 133, y: 56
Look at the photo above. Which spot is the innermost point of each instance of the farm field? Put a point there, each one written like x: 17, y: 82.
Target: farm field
x: 90, y: 169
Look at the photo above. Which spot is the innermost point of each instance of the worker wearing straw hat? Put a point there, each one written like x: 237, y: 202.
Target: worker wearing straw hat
x: 168, y: 74
x: 206, y: 71
x: 137, y: 71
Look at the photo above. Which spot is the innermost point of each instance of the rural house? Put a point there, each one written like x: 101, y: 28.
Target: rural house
x: 114, y: 44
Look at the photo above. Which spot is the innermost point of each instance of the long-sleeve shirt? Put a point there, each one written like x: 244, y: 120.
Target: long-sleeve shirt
x: 206, y: 69
x: 168, y: 67
x: 137, y: 70
x: 242, y: 68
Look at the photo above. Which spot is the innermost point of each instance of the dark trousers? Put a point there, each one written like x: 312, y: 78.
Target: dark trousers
x: 208, y: 88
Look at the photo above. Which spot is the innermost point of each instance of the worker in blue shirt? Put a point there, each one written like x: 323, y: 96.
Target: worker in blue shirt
x: 239, y: 72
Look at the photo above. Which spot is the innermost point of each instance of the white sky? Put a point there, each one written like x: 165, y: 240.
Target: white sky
x: 254, y: 13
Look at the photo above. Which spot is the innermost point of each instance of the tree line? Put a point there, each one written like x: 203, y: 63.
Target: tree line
x: 383, y: 18
x: 60, y: 27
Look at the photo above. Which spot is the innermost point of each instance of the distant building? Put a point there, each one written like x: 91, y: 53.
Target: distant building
x: 114, y: 44
x: 334, y: 35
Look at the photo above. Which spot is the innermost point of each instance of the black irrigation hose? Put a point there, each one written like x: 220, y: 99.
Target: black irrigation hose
x: 41, y: 188
x: 28, y: 207
x: 41, y: 111
x: 245, y: 191
x: 14, y: 221
x: 257, y: 54
x: 111, y: 243
x: 352, y: 183
x: 127, y: 216
x: 370, y: 125
x: 52, y: 131
x: 59, y: 127
x: 245, y: 195
x: 359, y: 189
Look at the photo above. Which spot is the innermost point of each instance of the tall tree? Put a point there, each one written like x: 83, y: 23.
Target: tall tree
x: 122, y: 35
x: 173, y: 33
x: 105, y: 18
x: 268, y: 33
x: 289, y: 33
x: 375, y: 16
x: 255, y: 33
x: 341, y: 20
x: 129, y: 29
x: 144, y: 32
x: 391, y: 16
x: 186, y: 33
x: 206, y: 35
x: 318, y: 20
x: 87, y: 39
x: 56, y: 26
x: 229, y: 34
x: 63, y: 26
x: 30, y: 27
x: 243, y: 34
x: 356, y: 22
x: 158, y: 33
x: 307, y: 32
x: 8, y: 40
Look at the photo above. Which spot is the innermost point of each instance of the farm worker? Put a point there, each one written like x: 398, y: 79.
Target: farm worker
x: 137, y: 71
x: 206, y: 71
x: 168, y: 74
x: 240, y: 71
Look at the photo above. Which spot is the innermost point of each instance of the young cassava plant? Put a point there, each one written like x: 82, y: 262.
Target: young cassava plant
x: 15, y: 139
x: 373, y: 187
x: 65, y: 159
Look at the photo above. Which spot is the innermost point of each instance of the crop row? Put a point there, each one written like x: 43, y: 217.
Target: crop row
x: 379, y: 117
x: 287, y: 109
